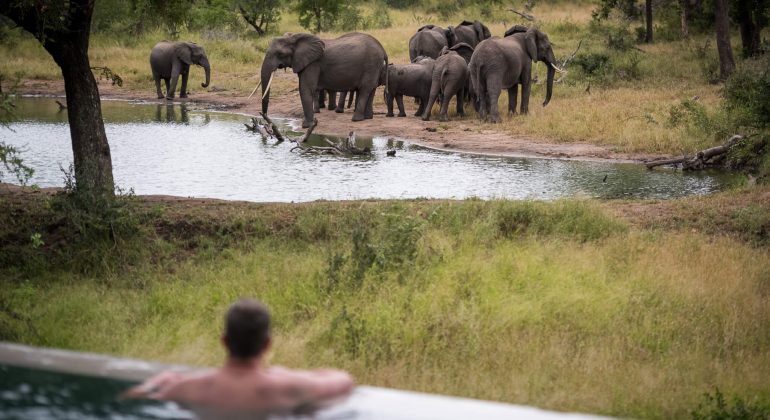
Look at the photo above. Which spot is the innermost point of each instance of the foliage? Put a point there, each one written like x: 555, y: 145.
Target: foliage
x: 352, y: 18
x: 716, y: 407
x: 11, y: 159
x: 214, y: 15
x: 319, y: 15
x: 747, y: 92
x: 260, y: 14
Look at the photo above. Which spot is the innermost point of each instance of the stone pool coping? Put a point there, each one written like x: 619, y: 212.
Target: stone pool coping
x: 367, y: 402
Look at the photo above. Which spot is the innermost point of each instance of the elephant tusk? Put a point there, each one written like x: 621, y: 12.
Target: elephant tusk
x: 267, y: 88
x: 255, y: 89
x: 558, y: 69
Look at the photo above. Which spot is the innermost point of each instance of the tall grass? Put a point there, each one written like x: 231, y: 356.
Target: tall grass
x: 557, y: 305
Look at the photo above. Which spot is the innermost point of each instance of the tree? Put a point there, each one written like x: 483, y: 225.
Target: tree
x: 752, y: 18
x: 648, y: 21
x: 319, y: 15
x: 63, y: 28
x: 260, y: 14
x: 722, y: 24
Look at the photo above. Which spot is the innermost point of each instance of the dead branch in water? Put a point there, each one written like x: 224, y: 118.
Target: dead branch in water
x: 345, y: 147
x: 700, y: 160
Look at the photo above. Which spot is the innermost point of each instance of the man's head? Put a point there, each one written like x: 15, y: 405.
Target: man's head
x: 247, y: 329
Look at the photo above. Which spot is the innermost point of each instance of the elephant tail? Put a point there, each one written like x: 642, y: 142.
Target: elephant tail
x: 443, y: 79
x: 386, y: 74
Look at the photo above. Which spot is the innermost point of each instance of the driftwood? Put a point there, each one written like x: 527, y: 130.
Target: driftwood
x: 62, y: 107
x: 346, y: 147
x: 701, y: 159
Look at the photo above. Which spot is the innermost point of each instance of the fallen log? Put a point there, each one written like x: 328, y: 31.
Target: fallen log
x: 343, y: 148
x: 701, y: 159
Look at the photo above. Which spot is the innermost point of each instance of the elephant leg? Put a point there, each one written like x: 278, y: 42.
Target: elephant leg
x: 494, y: 112
x: 461, y: 102
x: 341, y: 102
x: 389, y: 103
x: 308, y: 93
x: 175, y: 71
x: 362, y: 101
x: 167, y: 82
x: 513, y: 92
x: 353, y: 95
x: 320, y: 101
x: 369, y: 110
x: 434, y: 90
x: 400, y: 102
x: 525, y: 90
x: 421, y: 107
x: 183, y: 92
x: 443, y: 112
x: 157, y: 85
x: 332, y: 101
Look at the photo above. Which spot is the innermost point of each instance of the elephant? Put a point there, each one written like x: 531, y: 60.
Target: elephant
x: 465, y: 51
x: 450, y: 75
x: 428, y: 42
x: 170, y: 59
x: 354, y: 61
x: 334, y: 105
x: 468, y: 32
x: 413, y: 79
x: 505, y: 63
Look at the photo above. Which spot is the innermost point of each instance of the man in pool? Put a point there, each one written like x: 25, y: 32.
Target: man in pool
x: 244, y: 384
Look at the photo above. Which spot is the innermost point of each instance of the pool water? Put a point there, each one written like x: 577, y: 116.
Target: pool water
x: 179, y: 150
x: 42, y: 395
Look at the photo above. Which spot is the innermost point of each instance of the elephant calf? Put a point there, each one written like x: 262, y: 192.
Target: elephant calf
x: 169, y: 60
x: 412, y: 79
x: 450, y: 75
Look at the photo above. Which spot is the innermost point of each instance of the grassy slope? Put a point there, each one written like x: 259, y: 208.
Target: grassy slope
x: 628, y: 112
x: 626, y: 308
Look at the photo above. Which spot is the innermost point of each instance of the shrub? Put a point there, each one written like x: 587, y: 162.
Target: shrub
x: 747, y: 92
x: 716, y: 407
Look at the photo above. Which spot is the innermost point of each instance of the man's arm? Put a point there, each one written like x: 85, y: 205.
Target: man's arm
x: 152, y: 387
x: 318, y: 387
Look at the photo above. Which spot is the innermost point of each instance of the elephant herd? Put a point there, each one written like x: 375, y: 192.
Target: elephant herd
x: 463, y: 61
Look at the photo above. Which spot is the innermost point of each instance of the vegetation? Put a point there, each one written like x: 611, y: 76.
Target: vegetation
x: 624, y: 308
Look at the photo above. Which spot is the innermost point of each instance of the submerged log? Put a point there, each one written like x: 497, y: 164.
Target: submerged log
x: 701, y: 159
x: 345, y: 147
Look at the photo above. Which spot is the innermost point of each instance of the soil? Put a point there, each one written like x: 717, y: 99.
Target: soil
x: 467, y: 135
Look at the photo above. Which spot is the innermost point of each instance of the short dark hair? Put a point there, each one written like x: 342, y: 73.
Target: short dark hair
x: 247, y: 328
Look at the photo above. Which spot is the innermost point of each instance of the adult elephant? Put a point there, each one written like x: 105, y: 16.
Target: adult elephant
x: 428, y: 42
x: 169, y: 60
x: 505, y: 63
x: 354, y: 61
x: 468, y: 32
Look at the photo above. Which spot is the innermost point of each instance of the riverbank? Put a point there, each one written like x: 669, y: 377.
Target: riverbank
x: 624, y: 308
x: 467, y: 135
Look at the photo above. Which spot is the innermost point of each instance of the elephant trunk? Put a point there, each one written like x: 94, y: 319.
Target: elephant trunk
x: 549, y: 84
x: 267, y: 78
x: 207, y: 68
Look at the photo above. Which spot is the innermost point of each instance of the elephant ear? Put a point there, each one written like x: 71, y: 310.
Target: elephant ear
x: 482, y: 32
x: 450, y: 35
x: 465, y: 50
x: 530, y: 39
x: 466, y: 23
x: 183, y: 53
x: 515, y: 29
x: 307, y: 49
x: 426, y: 27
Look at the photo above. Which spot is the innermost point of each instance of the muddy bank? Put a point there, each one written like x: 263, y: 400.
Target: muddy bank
x: 467, y: 135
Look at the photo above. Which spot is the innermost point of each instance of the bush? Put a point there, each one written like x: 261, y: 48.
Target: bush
x: 593, y: 64
x: 715, y: 407
x: 747, y: 92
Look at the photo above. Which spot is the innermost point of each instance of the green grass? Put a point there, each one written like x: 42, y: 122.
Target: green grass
x: 627, y: 108
x: 562, y: 305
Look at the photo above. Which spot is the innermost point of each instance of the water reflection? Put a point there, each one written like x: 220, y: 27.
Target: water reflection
x: 178, y: 150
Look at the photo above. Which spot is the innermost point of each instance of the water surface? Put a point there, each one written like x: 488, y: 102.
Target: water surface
x: 183, y: 151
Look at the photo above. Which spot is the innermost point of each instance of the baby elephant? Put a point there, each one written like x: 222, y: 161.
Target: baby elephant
x: 411, y: 80
x: 170, y: 59
x: 450, y: 75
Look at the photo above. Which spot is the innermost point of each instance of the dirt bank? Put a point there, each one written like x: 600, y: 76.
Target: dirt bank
x: 467, y: 135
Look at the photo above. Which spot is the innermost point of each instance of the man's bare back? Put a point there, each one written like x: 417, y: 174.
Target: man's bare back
x: 244, y: 385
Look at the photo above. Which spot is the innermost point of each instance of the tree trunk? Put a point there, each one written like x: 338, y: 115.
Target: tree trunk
x: 648, y: 19
x: 750, y: 28
x: 317, y: 20
x: 685, y: 16
x: 722, y: 24
x: 91, y: 152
